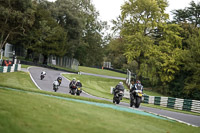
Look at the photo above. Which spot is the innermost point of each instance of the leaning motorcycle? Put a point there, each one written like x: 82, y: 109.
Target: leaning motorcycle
x: 136, y: 98
x: 118, y: 97
x: 73, y: 90
x: 78, y: 91
x: 55, y: 87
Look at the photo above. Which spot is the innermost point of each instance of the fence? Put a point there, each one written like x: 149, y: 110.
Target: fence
x: 64, y: 62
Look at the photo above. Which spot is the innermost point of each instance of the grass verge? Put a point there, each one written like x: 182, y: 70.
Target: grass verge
x: 101, y: 72
x: 96, y: 86
x: 35, y: 113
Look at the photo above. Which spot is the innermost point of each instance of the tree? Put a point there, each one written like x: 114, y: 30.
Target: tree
x: 190, y: 14
x: 139, y: 20
x: 16, y: 16
x: 46, y: 37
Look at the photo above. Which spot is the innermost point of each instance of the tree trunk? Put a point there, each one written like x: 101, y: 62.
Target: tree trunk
x: 45, y: 59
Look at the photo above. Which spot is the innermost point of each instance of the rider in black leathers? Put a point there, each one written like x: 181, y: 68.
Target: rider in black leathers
x: 118, y: 87
x: 72, y: 84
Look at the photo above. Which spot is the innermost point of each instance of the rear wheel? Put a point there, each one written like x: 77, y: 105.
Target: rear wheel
x: 118, y: 101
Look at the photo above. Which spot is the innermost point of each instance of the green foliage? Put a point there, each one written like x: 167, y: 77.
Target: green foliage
x: 16, y: 16
x: 189, y: 14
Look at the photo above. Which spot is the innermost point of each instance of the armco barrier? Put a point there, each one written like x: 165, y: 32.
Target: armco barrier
x: 13, y: 68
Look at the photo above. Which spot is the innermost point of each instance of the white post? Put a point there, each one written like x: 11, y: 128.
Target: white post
x: 1, y: 53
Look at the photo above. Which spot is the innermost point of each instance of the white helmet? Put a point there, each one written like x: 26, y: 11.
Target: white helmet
x: 74, y: 79
x: 121, y: 83
x: 78, y: 80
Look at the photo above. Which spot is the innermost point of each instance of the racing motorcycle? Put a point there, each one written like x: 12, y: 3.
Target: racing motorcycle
x: 118, y: 97
x: 78, y: 91
x: 73, y: 90
x: 41, y: 76
x: 55, y: 87
x: 136, y: 98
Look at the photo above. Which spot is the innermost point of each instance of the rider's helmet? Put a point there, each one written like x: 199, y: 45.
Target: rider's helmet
x: 138, y: 82
x: 78, y: 80
x: 121, y: 83
x: 74, y: 79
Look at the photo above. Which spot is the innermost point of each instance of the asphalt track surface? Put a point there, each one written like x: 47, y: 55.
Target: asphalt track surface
x: 47, y: 85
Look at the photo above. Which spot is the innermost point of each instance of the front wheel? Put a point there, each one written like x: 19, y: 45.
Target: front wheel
x: 138, y: 101
x: 113, y: 99
x: 131, y: 102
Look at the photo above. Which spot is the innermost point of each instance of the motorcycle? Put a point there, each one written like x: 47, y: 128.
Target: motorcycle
x: 55, y: 87
x: 118, y: 97
x: 136, y: 98
x: 78, y: 91
x: 73, y: 90
x: 41, y: 76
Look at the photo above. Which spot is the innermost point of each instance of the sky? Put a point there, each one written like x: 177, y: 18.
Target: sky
x: 110, y: 9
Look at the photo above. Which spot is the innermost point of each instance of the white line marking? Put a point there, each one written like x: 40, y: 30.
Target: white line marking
x: 32, y: 78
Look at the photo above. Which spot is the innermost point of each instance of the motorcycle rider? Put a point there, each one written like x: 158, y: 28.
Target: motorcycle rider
x: 78, y: 84
x: 118, y: 87
x: 72, y: 84
x: 55, y: 83
x: 136, y: 86
x: 42, y: 74
x: 59, y: 79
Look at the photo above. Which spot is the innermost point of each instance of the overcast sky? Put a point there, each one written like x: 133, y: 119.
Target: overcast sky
x: 110, y: 9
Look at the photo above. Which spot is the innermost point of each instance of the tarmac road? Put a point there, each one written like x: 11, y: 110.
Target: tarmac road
x: 47, y: 85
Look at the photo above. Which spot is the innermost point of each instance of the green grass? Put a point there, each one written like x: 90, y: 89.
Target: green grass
x: 96, y: 86
x: 24, y: 66
x: 17, y: 80
x: 31, y: 113
x: 100, y: 71
x: 153, y: 93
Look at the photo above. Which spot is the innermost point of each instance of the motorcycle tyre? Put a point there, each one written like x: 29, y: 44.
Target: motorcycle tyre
x: 138, y: 101
x: 113, y: 99
x: 131, y: 102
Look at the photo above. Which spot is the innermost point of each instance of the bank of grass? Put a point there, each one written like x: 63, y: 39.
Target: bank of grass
x: 101, y: 71
x: 45, y: 114
x: 17, y: 80
x: 96, y: 86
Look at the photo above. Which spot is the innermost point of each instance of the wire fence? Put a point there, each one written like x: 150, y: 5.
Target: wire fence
x: 64, y: 62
